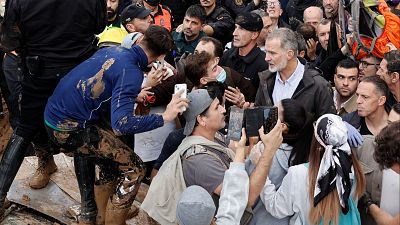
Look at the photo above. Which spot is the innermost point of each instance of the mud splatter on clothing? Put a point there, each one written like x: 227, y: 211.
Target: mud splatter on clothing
x: 108, y: 81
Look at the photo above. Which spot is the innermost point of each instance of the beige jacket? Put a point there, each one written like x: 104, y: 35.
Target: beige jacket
x: 166, y: 188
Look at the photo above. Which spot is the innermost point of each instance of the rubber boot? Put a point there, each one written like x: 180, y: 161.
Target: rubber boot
x: 85, y: 174
x: 116, y: 215
x: 10, y: 163
x: 102, y: 193
x: 42, y: 175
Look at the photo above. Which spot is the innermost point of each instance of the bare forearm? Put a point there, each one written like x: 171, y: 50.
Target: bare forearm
x: 258, y: 177
x: 383, y: 218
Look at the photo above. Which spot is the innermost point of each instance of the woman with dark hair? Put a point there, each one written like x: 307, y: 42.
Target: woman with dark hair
x: 325, y: 190
x: 297, y: 131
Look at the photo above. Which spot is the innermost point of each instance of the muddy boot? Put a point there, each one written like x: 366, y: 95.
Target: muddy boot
x: 85, y: 175
x: 133, y: 211
x: 9, y: 166
x: 7, y: 204
x: 102, y: 193
x: 116, y: 215
x: 42, y: 176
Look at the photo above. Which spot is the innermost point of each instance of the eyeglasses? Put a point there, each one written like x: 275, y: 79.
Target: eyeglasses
x: 365, y: 64
x: 272, y: 4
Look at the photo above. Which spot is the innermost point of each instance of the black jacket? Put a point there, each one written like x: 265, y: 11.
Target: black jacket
x: 222, y: 23
x: 248, y: 66
x: 54, y: 30
x: 313, y: 92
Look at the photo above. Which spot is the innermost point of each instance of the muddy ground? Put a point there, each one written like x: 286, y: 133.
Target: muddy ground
x: 54, y: 204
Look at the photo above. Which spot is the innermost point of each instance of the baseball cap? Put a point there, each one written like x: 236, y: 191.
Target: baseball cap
x: 199, y: 100
x: 249, y: 21
x: 134, y: 11
x: 195, y: 207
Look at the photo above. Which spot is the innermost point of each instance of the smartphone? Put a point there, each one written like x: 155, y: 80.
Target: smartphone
x: 235, y: 123
x: 254, y: 119
x: 270, y: 115
x: 157, y: 64
x: 183, y: 87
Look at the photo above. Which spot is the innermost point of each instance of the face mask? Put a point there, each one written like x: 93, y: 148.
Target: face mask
x: 221, y: 76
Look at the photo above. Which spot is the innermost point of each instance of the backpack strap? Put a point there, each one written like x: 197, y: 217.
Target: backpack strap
x: 199, y: 149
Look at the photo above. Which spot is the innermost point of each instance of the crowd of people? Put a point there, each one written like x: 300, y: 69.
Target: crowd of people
x: 96, y: 80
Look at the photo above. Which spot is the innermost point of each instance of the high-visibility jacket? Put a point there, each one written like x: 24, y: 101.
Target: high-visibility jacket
x: 163, y: 17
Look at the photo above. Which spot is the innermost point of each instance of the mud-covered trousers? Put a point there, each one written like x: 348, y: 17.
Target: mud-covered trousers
x: 102, y: 144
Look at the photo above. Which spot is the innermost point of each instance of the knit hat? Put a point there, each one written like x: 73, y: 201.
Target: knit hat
x: 195, y: 207
x: 199, y: 100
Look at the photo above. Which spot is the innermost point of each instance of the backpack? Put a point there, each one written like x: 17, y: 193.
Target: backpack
x: 374, y: 26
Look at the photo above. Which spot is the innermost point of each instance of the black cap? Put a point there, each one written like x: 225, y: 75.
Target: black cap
x: 134, y: 11
x: 249, y: 21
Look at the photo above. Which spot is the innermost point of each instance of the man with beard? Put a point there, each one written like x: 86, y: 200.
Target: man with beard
x: 192, y: 30
x: 346, y: 82
x: 287, y: 77
x: 331, y: 8
x: 114, y: 33
x: 368, y: 66
x: 202, y: 158
x: 112, y: 13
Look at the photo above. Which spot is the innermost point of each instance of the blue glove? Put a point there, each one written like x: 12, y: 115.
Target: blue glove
x: 354, y: 137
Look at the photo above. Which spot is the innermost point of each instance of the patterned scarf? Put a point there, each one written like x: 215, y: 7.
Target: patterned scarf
x: 336, y: 163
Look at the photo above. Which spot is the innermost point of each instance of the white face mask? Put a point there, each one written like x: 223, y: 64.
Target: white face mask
x: 221, y: 77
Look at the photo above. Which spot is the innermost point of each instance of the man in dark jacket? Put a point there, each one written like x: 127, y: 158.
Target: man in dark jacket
x: 245, y: 57
x: 219, y: 23
x: 47, y: 55
x: 289, y: 78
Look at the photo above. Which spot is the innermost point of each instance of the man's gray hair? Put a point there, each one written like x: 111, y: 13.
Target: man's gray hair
x: 287, y: 37
x: 260, y: 12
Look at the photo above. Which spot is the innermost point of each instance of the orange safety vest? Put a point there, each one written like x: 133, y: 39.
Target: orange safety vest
x: 163, y: 18
x: 390, y: 34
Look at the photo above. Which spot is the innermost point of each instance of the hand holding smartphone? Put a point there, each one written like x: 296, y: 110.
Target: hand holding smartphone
x: 183, y: 87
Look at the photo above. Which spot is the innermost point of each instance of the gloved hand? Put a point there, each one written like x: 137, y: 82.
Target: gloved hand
x: 354, y: 137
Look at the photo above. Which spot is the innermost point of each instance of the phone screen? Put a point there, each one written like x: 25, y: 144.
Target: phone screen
x: 270, y: 118
x: 235, y: 123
